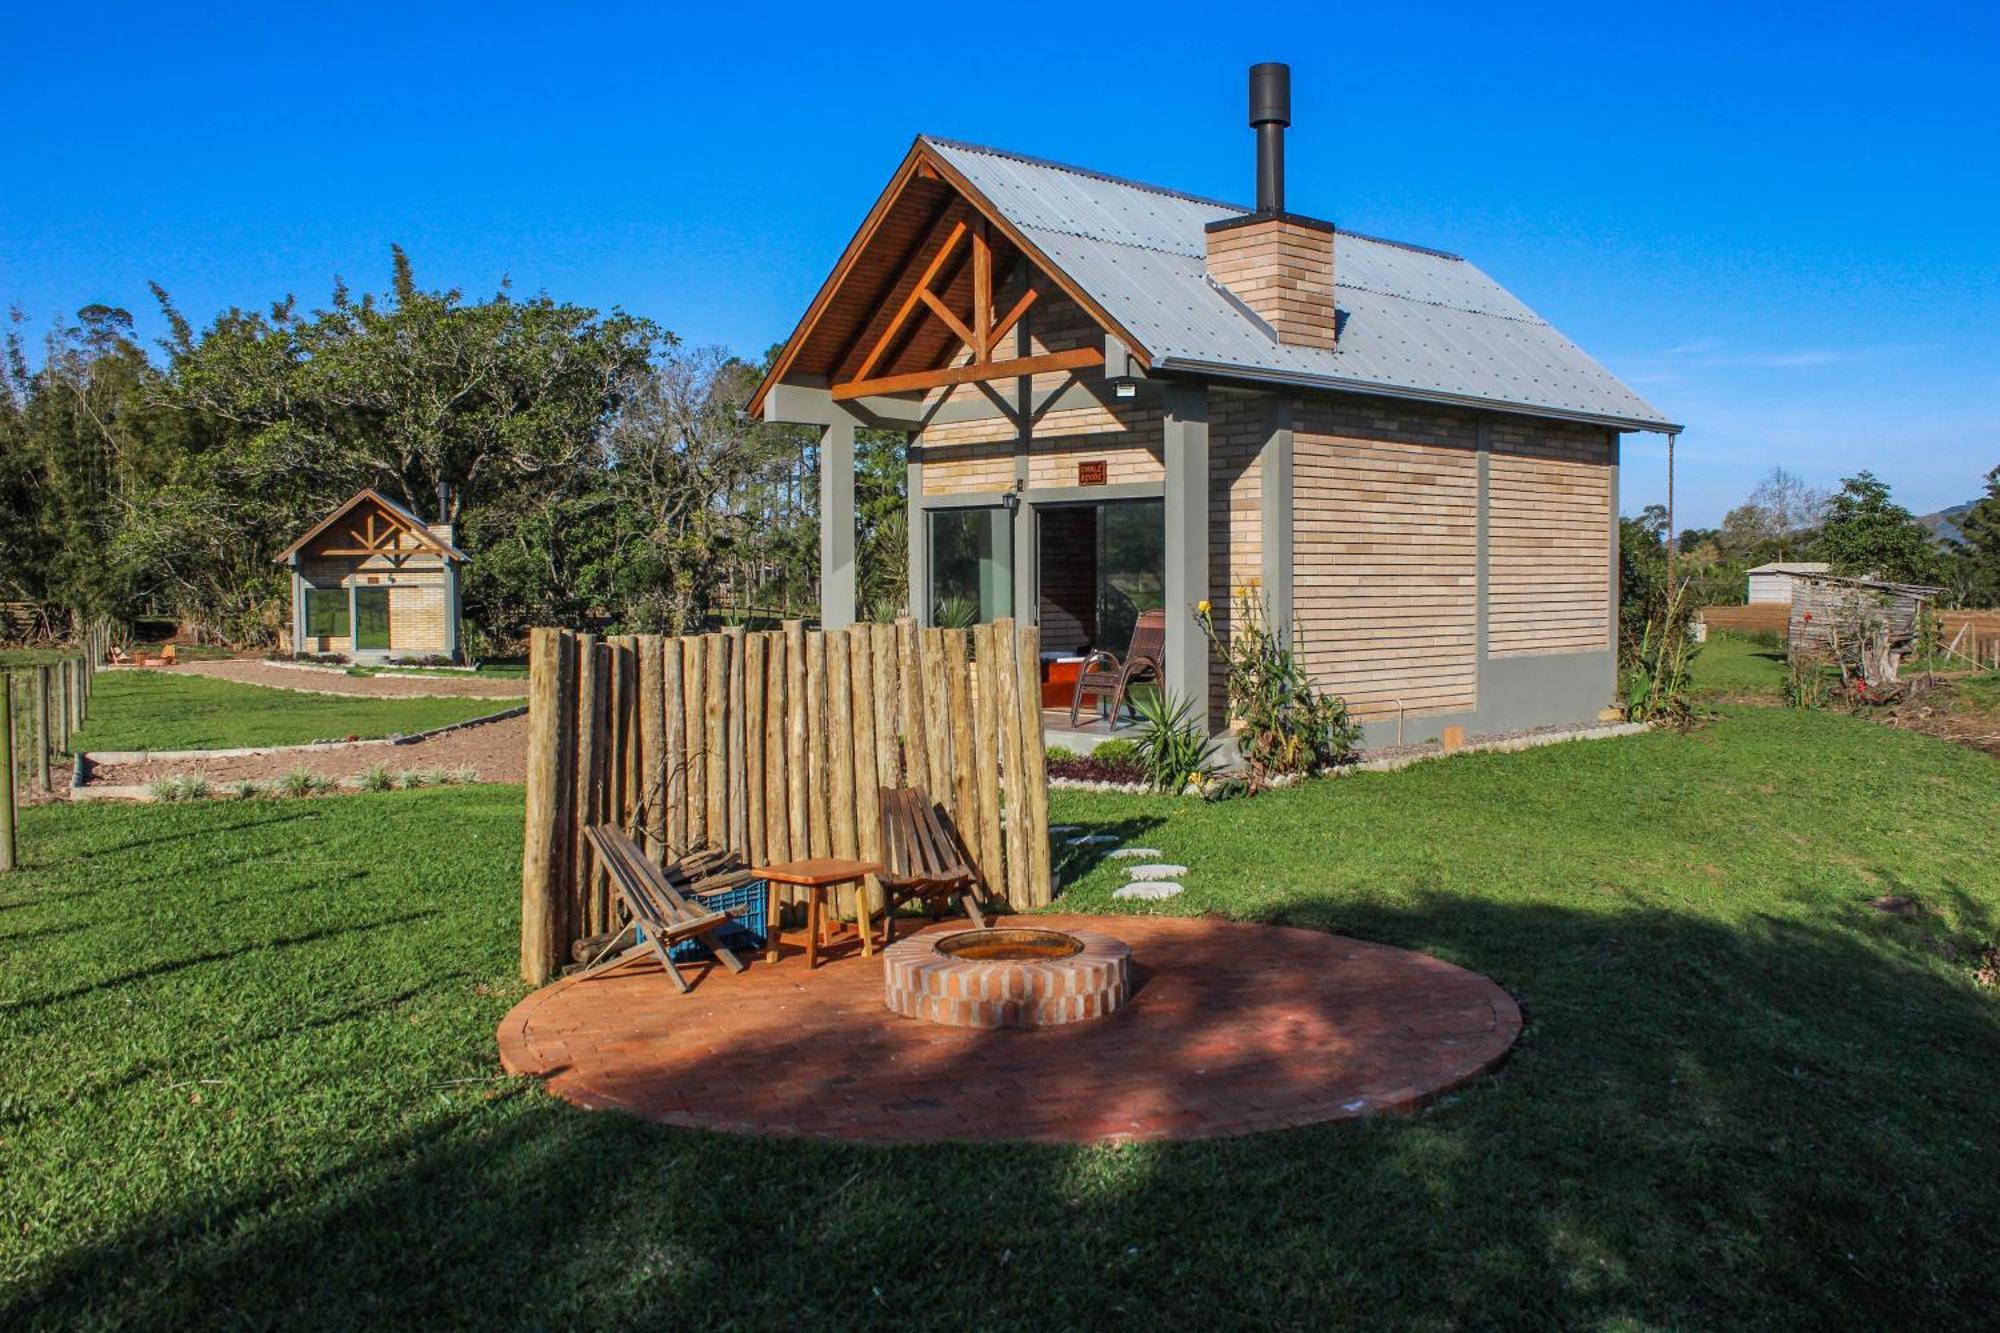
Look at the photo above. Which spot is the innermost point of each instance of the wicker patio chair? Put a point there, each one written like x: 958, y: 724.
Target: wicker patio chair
x: 1106, y: 673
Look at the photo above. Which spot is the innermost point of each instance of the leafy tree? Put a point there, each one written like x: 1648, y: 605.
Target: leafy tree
x: 1867, y: 533
x: 1979, y: 551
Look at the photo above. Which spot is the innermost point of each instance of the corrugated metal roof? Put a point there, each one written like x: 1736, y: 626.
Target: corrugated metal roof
x: 1414, y: 322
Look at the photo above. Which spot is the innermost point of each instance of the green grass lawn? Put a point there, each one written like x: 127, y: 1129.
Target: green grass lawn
x: 1732, y: 665
x: 250, y: 1076
x: 147, y: 710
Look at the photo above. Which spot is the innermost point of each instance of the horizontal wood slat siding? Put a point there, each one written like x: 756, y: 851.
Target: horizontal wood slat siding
x: 1385, y: 554
x: 1548, y: 529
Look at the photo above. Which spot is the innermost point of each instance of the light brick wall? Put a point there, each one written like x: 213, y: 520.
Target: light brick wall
x: 1282, y: 268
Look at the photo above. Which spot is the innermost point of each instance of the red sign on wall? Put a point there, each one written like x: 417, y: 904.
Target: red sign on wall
x: 1093, y: 472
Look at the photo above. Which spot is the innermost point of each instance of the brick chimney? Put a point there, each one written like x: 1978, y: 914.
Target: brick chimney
x: 1277, y: 263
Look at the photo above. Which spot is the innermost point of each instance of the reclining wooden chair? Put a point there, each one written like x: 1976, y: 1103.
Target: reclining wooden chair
x: 922, y: 859
x: 658, y: 908
x: 1105, y: 673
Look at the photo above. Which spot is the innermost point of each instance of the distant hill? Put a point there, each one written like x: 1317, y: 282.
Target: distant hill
x: 1944, y: 523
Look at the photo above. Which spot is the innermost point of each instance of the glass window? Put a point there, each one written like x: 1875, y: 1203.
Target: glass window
x: 371, y: 618
x: 326, y: 613
x: 972, y: 565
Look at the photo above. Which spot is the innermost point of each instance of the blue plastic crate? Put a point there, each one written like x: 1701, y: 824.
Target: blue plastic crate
x: 747, y: 928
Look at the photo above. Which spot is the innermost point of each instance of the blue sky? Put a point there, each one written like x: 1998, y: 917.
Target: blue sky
x: 1781, y: 225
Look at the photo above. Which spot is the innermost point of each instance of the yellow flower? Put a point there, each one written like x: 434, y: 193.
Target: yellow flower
x: 1202, y: 606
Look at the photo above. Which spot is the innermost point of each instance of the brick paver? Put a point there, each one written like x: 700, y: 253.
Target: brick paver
x: 1232, y: 1028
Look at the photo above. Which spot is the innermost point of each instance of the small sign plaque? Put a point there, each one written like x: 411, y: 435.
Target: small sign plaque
x: 1092, y: 472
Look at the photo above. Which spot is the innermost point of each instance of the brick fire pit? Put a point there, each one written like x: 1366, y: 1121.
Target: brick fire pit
x: 1013, y: 977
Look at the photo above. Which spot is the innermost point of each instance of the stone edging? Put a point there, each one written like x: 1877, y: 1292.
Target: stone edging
x: 1392, y: 763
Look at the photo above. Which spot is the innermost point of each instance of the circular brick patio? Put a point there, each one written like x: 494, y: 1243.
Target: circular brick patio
x: 1232, y: 1028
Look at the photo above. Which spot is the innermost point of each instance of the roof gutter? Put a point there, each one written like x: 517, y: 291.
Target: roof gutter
x: 1305, y: 380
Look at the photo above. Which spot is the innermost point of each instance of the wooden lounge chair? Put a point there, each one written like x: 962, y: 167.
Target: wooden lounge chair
x: 922, y: 860
x: 658, y: 908
x: 1105, y: 673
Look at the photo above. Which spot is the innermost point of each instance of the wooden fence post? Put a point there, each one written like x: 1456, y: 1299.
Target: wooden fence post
x: 1014, y: 781
x: 544, y: 859
x: 7, y: 845
x: 61, y: 703
x: 1034, y: 809
x: 42, y: 730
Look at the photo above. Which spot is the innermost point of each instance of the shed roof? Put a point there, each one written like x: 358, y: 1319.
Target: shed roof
x: 1790, y: 567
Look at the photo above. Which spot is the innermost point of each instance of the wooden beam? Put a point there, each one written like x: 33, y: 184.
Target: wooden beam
x: 951, y: 240
x: 1075, y: 359
x: 951, y: 321
x: 1013, y: 315
x: 982, y: 293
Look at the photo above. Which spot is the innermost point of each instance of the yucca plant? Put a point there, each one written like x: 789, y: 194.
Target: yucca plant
x: 1173, y: 741
x: 1657, y: 681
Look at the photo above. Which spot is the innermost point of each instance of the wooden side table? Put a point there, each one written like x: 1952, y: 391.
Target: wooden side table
x: 817, y: 876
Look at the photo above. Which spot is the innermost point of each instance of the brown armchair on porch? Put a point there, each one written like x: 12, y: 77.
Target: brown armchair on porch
x: 1106, y: 673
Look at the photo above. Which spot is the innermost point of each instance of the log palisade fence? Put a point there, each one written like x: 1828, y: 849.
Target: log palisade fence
x: 775, y: 745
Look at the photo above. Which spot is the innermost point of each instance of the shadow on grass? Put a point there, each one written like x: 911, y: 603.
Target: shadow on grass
x: 167, y: 967
x: 1781, y: 1123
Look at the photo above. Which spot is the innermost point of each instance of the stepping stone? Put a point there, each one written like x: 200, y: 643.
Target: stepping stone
x: 1157, y: 872
x: 1151, y: 890
x: 1135, y: 853
x: 1065, y: 828
x: 1093, y: 840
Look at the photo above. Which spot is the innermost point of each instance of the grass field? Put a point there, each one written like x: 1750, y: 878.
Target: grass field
x: 1732, y: 665
x: 143, y: 710
x: 251, y: 1077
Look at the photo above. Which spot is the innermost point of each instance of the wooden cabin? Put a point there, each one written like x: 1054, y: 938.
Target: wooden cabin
x: 373, y: 582
x: 1119, y: 397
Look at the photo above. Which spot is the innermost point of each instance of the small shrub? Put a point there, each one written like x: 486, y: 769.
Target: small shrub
x: 409, y: 779
x: 1173, y: 742
x: 1093, y: 767
x: 181, y: 787
x: 955, y: 612
x: 1285, y: 726
x: 464, y: 773
x: 164, y: 790
x: 300, y: 781
x: 378, y: 778
x: 244, y: 789
x: 195, y: 787
x: 1119, y: 751
x: 1059, y: 754
x: 1807, y: 681
x: 1658, y: 677
x: 439, y: 777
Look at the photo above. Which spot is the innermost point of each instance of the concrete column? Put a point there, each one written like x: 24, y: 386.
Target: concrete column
x: 1275, y: 485
x: 1612, y: 470
x: 1187, y: 580
x: 918, y: 522
x: 836, y: 525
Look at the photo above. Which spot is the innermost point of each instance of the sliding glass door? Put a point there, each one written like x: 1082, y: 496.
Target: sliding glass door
x: 1098, y: 566
x: 971, y: 565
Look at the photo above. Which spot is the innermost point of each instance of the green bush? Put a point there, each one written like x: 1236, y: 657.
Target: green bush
x: 377, y: 778
x: 1058, y: 754
x: 1285, y: 727
x: 1657, y: 681
x: 1116, y: 751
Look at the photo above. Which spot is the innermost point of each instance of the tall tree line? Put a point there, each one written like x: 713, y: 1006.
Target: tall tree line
x: 598, y: 470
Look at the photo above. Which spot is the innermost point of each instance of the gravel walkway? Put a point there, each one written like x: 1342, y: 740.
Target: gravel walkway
x: 498, y: 751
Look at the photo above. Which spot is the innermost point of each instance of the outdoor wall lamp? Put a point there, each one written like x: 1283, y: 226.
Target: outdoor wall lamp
x: 1012, y: 499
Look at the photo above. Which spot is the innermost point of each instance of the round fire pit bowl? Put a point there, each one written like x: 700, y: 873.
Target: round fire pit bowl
x: 1007, y: 977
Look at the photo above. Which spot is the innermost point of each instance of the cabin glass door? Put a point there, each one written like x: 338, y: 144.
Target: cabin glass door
x: 371, y: 619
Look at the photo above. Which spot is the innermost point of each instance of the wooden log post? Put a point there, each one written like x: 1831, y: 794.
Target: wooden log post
x: 1034, y: 809
x: 756, y: 662
x: 737, y: 717
x: 834, y: 748
x: 1013, y: 775
x: 585, y: 757
x: 61, y: 706
x: 777, y: 795
x: 650, y: 797
x: 715, y: 732
x: 910, y: 707
x: 545, y: 847
x: 964, y: 759
x: 986, y: 746
x: 41, y: 702
x: 8, y: 847
x: 820, y: 798
x: 674, y: 791
x: 798, y: 721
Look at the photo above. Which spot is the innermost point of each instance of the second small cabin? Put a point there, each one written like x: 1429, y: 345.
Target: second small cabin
x: 373, y: 582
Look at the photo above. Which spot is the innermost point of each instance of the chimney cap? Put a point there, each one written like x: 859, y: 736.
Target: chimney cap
x: 1271, y: 93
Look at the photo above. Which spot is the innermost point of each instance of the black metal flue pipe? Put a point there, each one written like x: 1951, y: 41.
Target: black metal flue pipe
x: 1270, y: 113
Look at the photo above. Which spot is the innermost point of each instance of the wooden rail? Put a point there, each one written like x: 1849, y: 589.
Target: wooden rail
x: 774, y: 745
